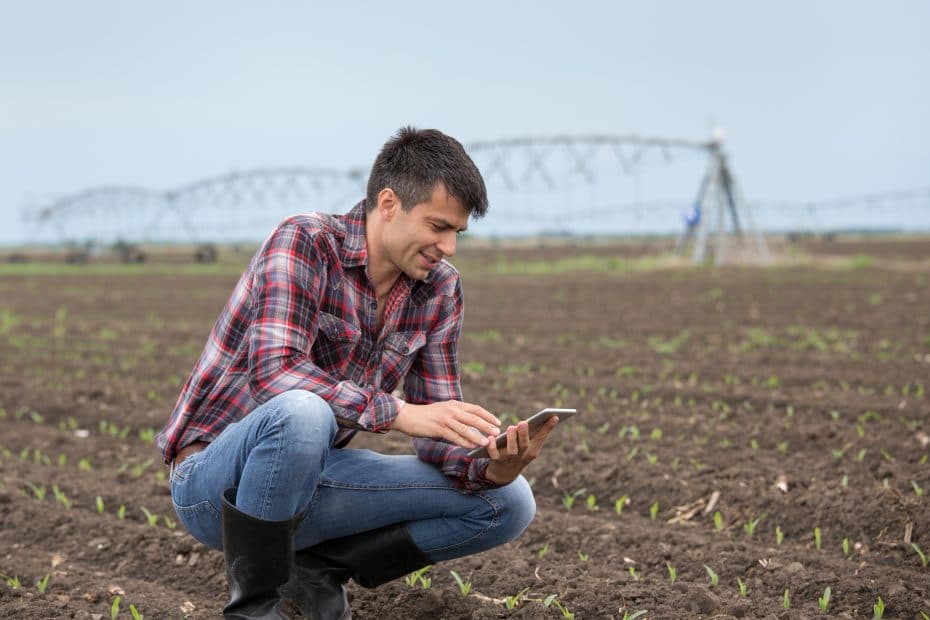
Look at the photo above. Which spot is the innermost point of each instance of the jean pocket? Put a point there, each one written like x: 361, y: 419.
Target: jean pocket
x: 203, y: 521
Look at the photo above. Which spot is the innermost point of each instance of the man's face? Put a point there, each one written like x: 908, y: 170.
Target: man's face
x: 416, y: 240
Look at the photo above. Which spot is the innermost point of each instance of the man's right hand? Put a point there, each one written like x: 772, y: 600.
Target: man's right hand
x: 463, y: 424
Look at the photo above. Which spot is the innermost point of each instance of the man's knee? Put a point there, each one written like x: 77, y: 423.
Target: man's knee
x: 517, y: 508
x: 303, y: 414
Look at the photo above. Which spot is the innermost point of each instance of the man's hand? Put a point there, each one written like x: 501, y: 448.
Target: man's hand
x: 464, y: 424
x: 520, y: 451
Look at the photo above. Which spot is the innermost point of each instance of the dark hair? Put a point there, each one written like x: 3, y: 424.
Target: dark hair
x: 414, y: 161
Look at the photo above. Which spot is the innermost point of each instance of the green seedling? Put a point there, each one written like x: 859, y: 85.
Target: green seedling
x: 750, y: 526
x: 553, y: 599
x: 568, y: 499
x: 636, y: 614
x: 654, y: 510
x: 417, y: 577
x: 584, y: 557
x: 62, y: 460
x: 672, y: 573
x: 135, y: 613
x: 818, y: 541
x: 878, y: 609
x: 845, y: 546
x: 786, y: 599
x: 620, y: 503
x: 633, y: 574
x: 114, y: 608
x: 464, y: 585
x: 169, y: 523
x: 510, y: 602
x: 150, y: 517
x: 121, y: 512
x: 714, y: 579
x: 918, y: 490
x: 60, y: 497
x: 824, y: 601
x: 99, y: 505
x: 543, y: 550
x: 718, y: 521
x: 13, y: 581
x: 743, y: 590
x: 924, y: 558
x: 42, y: 584
x: 84, y: 464
x: 39, y: 492
x: 779, y: 535
x: 591, y: 502
x: 844, y: 481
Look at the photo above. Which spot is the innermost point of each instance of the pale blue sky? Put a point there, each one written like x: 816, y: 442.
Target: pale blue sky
x: 817, y: 99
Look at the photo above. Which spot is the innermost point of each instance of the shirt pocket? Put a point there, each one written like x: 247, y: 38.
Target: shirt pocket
x: 336, y: 338
x: 400, y: 349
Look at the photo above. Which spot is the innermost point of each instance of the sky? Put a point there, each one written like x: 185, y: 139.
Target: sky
x: 817, y: 100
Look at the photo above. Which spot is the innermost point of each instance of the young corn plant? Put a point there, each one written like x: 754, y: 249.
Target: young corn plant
x: 824, y: 601
x: 512, y: 601
x: 591, y: 502
x: 750, y: 526
x: 786, y: 599
x: 672, y: 573
x: 878, y: 609
x: 779, y: 535
x: 151, y: 517
x: 622, y: 501
x: 743, y: 590
x: 714, y: 579
x: 718, y: 521
x: 818, y: 540
x: 60, y: 497
x: 136, y: 615
x: 543, y: 550
x: 114, y: 608
x: 99, y: 505
x: 39, y: 492
x: 654, y: 510
x: 553, y: 599
x: 568, y: 499
x: 13, y: 581
x: 636, y: 614
x: 42, y: 584
x: 121, y: 512
x: 464, y: 585
x: 417, y: 577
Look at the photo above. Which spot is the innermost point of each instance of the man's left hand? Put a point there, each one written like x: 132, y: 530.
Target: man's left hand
x: 520, y: 451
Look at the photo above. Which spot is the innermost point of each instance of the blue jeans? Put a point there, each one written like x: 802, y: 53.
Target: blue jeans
x: 281, y: 459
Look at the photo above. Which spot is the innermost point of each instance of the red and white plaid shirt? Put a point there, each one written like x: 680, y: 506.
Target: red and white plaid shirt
x: 304, y: 317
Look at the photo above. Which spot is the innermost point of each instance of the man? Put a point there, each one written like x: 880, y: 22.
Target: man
x: 329, y: 316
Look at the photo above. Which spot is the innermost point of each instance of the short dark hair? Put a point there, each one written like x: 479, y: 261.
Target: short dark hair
x: 414, y: 161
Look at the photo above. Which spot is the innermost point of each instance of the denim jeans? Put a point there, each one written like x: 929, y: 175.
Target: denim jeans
x: 281, y: 459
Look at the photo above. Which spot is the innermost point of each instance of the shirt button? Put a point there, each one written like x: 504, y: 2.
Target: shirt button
x: 374, y: 305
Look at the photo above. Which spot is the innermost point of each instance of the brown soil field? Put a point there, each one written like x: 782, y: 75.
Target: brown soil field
x: 767, y: 427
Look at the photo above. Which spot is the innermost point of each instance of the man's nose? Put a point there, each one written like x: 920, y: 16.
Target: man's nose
x: 447, y: 244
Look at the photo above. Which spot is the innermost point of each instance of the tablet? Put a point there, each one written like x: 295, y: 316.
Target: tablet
x: 535, y: 421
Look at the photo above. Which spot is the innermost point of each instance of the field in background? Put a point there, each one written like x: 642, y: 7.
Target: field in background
x: 748, y: 437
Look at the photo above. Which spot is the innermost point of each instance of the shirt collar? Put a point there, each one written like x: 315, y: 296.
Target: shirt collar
x: 354, y: 252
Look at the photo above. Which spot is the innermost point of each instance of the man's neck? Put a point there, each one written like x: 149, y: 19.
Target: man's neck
x: 381, y: 271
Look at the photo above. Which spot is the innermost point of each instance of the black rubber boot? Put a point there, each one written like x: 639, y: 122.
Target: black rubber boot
x: 259, y: 558
x: 372, y: 558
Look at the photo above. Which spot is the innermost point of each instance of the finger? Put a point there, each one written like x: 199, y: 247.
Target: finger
x: 483, y: 426
x: 542, y: 433
x: 493, y: 452
x: 457, y: 434
x: 523, y: 435
x: 482, y: 413
x: 513, y: 445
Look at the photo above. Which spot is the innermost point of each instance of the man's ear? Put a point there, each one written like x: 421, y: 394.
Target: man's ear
x: 388, y: 203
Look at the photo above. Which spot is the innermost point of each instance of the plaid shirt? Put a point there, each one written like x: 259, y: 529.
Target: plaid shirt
x: 304, y: 317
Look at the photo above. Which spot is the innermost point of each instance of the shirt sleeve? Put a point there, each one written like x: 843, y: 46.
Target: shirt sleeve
x: 289, y: 277
x: 434, y: 377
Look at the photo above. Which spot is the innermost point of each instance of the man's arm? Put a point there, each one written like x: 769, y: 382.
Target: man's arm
x: 434, y: 378
x: 289, y: 278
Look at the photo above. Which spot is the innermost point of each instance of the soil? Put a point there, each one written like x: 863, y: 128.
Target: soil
x: 791, y: 397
